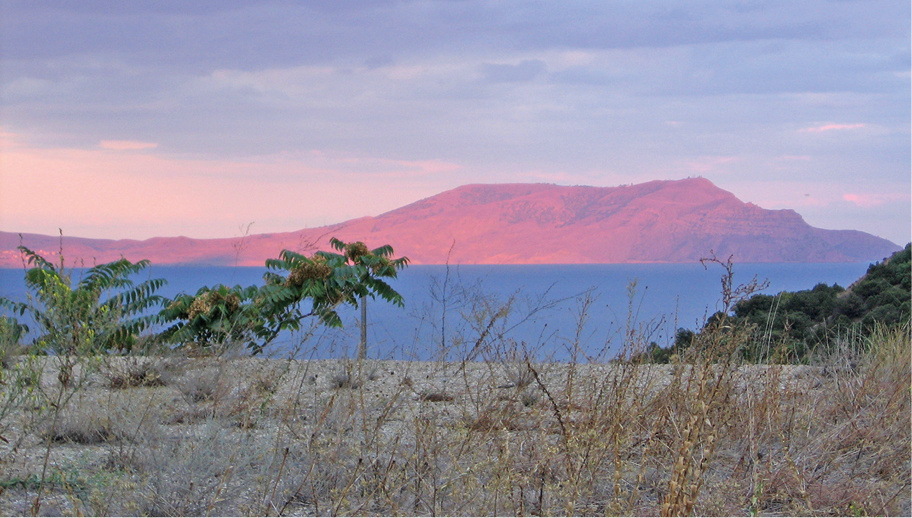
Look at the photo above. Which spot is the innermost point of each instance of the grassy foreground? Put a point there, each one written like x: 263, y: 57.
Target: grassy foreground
x: 241, y: 436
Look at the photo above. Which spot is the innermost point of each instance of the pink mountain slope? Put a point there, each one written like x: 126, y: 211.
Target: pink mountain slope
x: 660, y: 221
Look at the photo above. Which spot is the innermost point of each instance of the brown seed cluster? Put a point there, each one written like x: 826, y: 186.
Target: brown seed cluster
x: 382, y: 264
x: 308, y: 271
x: 204, y: 303
x: 355, y: 250
x: 233, y: 302
x: 200, y: 305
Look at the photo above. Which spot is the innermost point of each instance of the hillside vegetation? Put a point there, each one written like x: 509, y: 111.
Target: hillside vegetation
x: 795, y: 326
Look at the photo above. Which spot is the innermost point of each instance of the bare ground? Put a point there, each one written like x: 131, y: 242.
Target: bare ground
x: 216, y: 436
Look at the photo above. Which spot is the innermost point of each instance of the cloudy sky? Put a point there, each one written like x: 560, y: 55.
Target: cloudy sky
x: 167, y: 117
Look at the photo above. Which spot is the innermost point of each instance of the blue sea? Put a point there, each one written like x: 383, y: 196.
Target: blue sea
x: 554, y: 312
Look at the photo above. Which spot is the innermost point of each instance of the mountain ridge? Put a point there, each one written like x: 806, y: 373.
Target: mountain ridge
x: 524, y: 223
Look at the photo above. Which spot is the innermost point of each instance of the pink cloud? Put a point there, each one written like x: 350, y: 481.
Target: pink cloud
x: 872, y: 200
x: 8, y: 140
x: 105, y: 194
x: 832, y: 127
x: 428, y: 166
x: 126, y: 145
x: 708, y: 164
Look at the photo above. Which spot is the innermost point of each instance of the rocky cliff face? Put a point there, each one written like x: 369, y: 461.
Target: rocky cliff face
x: 660, y: 221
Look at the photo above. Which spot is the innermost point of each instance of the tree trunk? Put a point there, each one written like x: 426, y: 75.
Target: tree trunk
x: 362, y: 347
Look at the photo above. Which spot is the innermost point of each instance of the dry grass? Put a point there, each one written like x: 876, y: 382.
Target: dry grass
x: 138, y: 372
x: 706, y: 436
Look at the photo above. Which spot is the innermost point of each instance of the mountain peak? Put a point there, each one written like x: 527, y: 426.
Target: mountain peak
x: 530, y: 223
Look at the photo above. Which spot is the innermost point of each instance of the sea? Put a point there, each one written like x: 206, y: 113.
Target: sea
x: 510, y: 312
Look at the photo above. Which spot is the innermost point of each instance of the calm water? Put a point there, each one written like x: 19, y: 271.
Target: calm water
x: 447, y: 310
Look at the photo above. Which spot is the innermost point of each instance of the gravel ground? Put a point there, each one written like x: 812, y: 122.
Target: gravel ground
x: 257, y: 436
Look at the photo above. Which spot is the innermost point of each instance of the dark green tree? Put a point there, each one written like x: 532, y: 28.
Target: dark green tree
x: 372, y: 266
x: 328, y: 280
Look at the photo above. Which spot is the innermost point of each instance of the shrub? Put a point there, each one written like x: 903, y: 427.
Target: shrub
x: 104, y: 311
x: 217, y: 316
x: 254, y: 316
x: 795, y: 324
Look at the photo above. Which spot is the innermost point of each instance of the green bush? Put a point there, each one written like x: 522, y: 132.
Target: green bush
x: 104, y: 311
x: 789, y: 326
x: 255, y: 315
x: 214, y: 316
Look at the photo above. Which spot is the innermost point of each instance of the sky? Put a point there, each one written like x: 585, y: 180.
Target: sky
x: 217, y: 118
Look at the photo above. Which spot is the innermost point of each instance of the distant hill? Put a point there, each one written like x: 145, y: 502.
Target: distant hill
x: 661, y: 221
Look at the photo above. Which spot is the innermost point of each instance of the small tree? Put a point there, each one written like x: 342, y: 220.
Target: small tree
x: 329, y: 280
x: 371, y: 267
x: 104, y: 311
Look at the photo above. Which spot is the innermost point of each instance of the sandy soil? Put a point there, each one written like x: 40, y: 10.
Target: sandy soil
x: 215, y: 436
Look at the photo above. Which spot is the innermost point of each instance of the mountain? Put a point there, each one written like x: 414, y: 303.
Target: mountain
x: 660, y: 221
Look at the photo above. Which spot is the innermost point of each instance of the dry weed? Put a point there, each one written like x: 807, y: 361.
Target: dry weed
x: 707, y: 436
